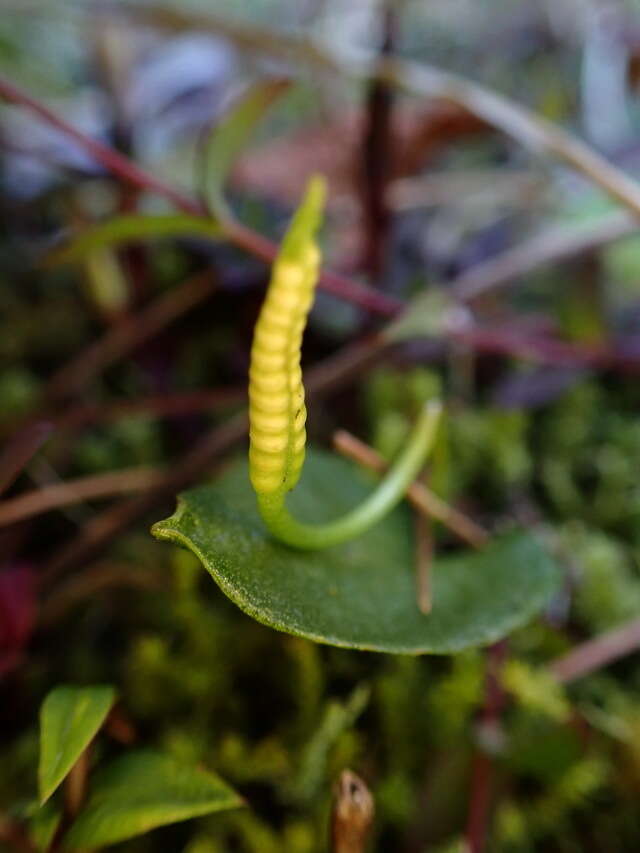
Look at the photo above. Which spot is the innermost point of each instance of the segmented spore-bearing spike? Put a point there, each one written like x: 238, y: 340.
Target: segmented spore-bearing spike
x: 276, y: 394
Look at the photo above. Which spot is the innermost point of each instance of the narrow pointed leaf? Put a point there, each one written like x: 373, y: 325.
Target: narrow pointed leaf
x: 360, y: 594
x: 231, y: 134
x: 128, y: 229
x: 430, y: 314
x: 69, y: 719
x: 144, y: 790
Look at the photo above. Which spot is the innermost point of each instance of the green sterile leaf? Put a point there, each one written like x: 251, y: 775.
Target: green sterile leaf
x: 127, y: 229
x: 69, y: 719
x: 337, y: 718
x: 360, y: 594
x: 144, y: 790
x: 43, y: 824
x: 230, y: 134
x: 429, y: 314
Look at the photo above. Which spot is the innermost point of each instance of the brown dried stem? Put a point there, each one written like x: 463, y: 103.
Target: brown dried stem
x: 424, y: 561
x: 422, y: 498
x: 598, y: 652
x: 77, y: 491
x: 128, y: 335
x: 20, y: 450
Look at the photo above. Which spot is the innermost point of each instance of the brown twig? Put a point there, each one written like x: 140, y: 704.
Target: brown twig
x: 351, y: 814
x: 20, y: 450
x: 129, y: 335
x: 594, y: 654
x: 418, y: 494
x: 89, y: 583
x: 424, y: 560
x: 76, y: 491
x: 169, y: 405
x: 15, y: 835
x: 482, y: 771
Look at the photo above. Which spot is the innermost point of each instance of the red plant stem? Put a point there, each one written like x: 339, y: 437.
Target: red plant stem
x: 176, y: 404
x: 108, y: 157
x: 546, y: 349
x: 482, y: 773
x: 341, y: 286
x: 20, y: 450
x: 244, y: 237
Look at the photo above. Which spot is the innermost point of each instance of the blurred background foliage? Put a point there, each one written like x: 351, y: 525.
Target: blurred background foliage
x: 555, y: 446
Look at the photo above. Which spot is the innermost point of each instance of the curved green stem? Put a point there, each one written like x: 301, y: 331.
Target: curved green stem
x: 389, y: 492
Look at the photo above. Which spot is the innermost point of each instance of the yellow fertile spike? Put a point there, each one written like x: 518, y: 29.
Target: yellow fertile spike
x: 277, y: 412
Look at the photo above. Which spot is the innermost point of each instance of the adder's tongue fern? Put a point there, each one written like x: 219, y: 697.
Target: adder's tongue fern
x: 276, y: 397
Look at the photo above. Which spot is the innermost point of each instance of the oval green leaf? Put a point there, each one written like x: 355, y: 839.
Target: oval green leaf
x: 69, y: 719
x: 144, y: 790
x: 360, y: 594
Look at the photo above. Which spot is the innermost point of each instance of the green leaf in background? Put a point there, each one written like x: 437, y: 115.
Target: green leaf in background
x: 43, y: 823
x: 121, y: 230
x: 429, y: 314
x: 144, y: 790
x: 230, y: 134
x: 69, y: 719
x: 337, y: 718
x: 360, y: 594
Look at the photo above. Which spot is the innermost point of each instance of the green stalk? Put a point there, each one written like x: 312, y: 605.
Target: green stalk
x: 390, y: 492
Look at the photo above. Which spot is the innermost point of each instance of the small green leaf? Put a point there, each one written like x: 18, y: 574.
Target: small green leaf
x: 69, y: 719
x: 337, y: 718
x: 144, y: 790
x: 360, y: 594
x: 230, y: 134
x: 430, y: 314
x: 43, y: 824
x: 127, y: 229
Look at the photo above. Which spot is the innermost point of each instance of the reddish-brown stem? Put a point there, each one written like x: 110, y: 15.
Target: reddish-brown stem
x: 19, y: 451
x: 106, y: 156
x: 482, y: 773
x: 376, y: 158
x: 240, y: 235
x: 129, y: 334
x: 169, y: 405
x: 14, y: 834
x: 93, y: 487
